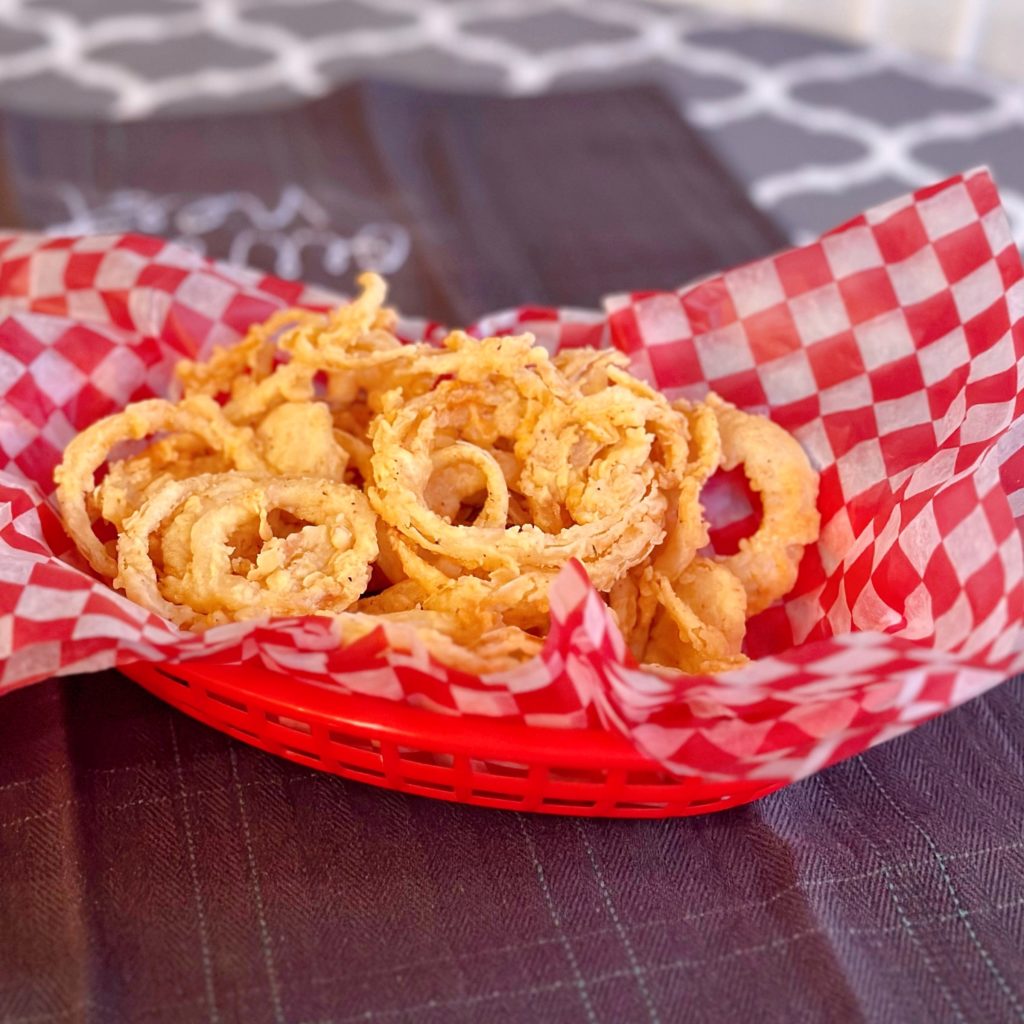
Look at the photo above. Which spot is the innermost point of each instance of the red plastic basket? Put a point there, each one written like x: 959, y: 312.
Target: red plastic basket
x: 467, y: 759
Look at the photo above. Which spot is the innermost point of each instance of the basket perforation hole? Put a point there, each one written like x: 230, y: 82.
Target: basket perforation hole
x: 650, y: 777
x: 357, y: 742
x: 229, y: 702
x: 630, y: 806
x: 506, y: 769
x: 357, y: 770
x: 173, y: 678
x: 508, y: 798
x: 557, y: 773
x: 436, y: 758
x: 439, y: 787
x: 554, y: 801
x: 289, y: 723
x: 302, y: 753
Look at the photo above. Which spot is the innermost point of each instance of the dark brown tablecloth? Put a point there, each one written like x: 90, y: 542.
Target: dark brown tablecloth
x: 559, y: 199
x: 154, y: 870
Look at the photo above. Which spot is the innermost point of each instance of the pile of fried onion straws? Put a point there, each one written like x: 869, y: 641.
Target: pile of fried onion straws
x: 321, y: 467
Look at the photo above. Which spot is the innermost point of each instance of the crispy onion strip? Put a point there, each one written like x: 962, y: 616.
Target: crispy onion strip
x: 687, y: 529
x: 127, y: 482
x: 405, y: 436
x: 445, y: 638
x: 460, y: 471
x: 701, y: 620
x: 299, y: 439
x: 76, y: 475
x: 321, y: 568
x: 249, y: 360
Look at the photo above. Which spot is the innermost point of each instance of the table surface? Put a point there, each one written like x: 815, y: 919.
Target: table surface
x: 156, y: 870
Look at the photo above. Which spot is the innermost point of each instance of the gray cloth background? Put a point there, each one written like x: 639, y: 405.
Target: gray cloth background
x: 818, y: 129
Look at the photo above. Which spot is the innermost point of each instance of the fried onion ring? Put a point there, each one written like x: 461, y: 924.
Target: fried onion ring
x: 508, y: 397
x: 321, y: 568
x: 127, y: 481
x: 76, y: 475
x: 434, y: 492
x: 778, y: 469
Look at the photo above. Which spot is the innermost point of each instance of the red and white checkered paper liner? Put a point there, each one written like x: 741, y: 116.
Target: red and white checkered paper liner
x: 892, y: 348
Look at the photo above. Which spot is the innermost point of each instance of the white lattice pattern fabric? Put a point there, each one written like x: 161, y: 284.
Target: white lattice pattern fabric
x: 816, y: 128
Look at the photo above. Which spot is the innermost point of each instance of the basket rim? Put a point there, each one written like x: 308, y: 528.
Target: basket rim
x: 370, y: 717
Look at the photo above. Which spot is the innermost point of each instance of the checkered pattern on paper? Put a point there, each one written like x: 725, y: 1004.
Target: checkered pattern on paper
x: 891, y: 347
